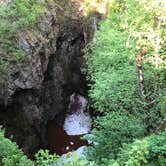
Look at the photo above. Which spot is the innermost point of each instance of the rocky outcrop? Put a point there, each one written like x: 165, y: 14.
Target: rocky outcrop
x: 39, y: 88
x: 38, y: 44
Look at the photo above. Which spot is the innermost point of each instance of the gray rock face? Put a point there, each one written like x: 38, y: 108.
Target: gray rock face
x: 39, y: 88
x: 38, y: 45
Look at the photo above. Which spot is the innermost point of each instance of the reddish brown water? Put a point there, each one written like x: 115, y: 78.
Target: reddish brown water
x: 59, y: 142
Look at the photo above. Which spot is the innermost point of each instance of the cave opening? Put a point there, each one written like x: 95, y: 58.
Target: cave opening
x: 34, y: 117
x: 64, y: 69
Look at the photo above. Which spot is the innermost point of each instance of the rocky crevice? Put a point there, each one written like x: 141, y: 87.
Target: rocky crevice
x: 63, y: 76
x: 39, y: 89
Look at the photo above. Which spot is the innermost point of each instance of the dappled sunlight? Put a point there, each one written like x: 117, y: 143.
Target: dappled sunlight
x: 99, y: 6
x: 4, y: 1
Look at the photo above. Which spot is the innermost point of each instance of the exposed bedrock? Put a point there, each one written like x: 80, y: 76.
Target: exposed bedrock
x: 39, y: 89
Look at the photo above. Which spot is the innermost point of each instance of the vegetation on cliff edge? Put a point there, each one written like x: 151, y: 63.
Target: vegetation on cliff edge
x: 16, y: 16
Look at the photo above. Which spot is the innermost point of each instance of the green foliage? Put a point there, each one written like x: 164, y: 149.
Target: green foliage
x: 108, y: 64
x: 20, y: 14
x: 43, y: 158
x: 131, y: 27
x: 111, y: 60
x: 74, y: 159
x: 112, y: 131
x: 150, y: 151
x: 10, y: 154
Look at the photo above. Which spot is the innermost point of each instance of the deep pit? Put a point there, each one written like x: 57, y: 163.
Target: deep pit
x: 30, y: 116
x: 39, y: 92
x: 66, y: 136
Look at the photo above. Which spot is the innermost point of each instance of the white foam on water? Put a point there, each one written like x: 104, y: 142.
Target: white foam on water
x: 77, y: 122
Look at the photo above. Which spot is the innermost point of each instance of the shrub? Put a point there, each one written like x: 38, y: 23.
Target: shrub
x: 111, y: 60
x: 112, y: 131
x: 150, y: 151
x: 43, y: 158
x: 10, y: 154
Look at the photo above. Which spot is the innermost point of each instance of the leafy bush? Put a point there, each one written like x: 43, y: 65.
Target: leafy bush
x: 74, y: 159
x: 112, y: 131
x: 111, y: 60
x: 20, y: 14
x: 10, y: 154
x: 151, y: 151
x: 43, y: 158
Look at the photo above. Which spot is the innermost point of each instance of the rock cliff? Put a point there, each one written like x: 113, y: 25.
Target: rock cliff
x: 38, y: 89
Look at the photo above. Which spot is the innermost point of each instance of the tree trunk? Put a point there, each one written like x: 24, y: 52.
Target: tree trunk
x: 139, y: 59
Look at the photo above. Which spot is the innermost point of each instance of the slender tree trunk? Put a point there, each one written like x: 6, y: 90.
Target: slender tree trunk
x: 139, y: 59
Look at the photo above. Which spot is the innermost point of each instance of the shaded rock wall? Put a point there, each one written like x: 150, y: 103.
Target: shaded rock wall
x: 39, y: 88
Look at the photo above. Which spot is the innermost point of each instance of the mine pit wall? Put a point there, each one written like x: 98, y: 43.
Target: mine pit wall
x: 39, y: 90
